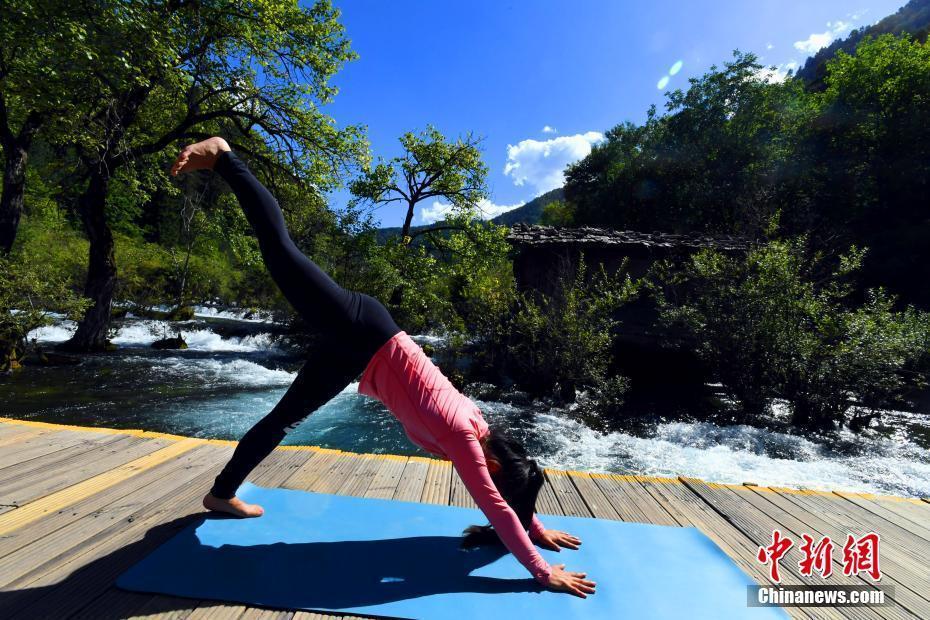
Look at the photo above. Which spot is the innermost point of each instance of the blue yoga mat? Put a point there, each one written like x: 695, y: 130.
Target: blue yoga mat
x: 401, y: 559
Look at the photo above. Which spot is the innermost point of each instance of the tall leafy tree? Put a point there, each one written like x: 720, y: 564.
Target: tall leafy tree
x: 42, y: 50
x: 256, y: 72
x: 870, y: 159
x: 431, y: 167
x: 711, y: 163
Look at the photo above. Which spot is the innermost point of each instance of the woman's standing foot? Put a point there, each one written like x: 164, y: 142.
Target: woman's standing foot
x: 233, y: 506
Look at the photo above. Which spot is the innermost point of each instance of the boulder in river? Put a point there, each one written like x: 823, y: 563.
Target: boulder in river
x: 176, y: 342
x: 182, y: 313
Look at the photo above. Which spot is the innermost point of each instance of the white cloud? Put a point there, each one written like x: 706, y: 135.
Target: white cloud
x: 818, y: 40
x: 489, y: 209
x: 434, y: 212
x: 814, y: 43
x: 769, y: 46
x: 541, y: 163
x: 548, y: 129
x: 438, y: 211
x: 778, y: 73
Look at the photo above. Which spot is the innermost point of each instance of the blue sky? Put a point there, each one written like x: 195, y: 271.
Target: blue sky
x: 540, y: 81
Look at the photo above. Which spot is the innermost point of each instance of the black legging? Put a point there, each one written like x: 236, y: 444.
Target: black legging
x: 356, y: 323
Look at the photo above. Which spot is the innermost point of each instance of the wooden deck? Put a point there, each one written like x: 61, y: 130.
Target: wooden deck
x: 78, y: 506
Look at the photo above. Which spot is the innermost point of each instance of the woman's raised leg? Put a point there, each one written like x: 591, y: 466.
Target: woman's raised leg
x: 358, y: 318
x: 317, y: 298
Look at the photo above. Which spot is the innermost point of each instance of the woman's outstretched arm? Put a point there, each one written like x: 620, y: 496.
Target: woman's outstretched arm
x: 467, y: 456
x: 536, y: 528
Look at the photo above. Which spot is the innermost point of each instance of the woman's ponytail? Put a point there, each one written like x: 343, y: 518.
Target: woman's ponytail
x: 479, y: 536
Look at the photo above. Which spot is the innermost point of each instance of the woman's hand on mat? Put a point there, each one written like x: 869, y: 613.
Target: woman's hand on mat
x: 567, y: 581
x: 199, y: 156
x: 554, y: 540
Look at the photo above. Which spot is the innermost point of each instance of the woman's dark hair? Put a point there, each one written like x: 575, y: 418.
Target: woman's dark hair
x: 518, y: 481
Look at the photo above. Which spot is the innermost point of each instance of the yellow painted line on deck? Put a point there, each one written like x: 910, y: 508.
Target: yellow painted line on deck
x: 887, y: 498
x: 392, y: 457
x: 37, y: 509
x: 658, y: 480
x: 132, y: 432
x: 629, y: 478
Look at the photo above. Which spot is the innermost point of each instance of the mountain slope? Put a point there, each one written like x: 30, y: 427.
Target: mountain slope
x: 528, y: 214
x: 912, y: 18
x: 531, y: 211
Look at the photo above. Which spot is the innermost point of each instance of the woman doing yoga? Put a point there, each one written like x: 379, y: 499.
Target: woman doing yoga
x: 365, y: 340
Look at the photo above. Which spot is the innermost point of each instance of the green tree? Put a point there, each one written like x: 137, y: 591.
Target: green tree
x: 869, y: 154
x: 257, y: 76
x: 43, y: 50
x: 431, y: 167
x: 715, y: 162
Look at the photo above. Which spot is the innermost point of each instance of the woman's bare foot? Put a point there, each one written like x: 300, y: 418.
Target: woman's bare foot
x: 234, y: 506
x: 199, y: 156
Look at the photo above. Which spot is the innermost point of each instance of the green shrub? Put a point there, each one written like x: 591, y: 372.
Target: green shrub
x: 148, y: 274
x: 778, y: 323
x: 48, y: 239
x: 143, y: 272
x: 558, y: 213
x: 478, y: 274
x: 417, y: 296
x: 27, y: 291
x: 553, y: 346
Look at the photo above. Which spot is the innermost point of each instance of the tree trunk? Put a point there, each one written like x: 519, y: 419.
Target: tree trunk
x: 11, y: 201
x: 16, y: 149
x: 183, y: 283
x: 91, y: 334
x: 405, y: 231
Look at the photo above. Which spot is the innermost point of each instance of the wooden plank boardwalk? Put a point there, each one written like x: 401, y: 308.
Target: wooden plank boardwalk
x: 78, y: 506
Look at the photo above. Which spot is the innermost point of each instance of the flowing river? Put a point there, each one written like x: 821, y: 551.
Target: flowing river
x: 236, y: 368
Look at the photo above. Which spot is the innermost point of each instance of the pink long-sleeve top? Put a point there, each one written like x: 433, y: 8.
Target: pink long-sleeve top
x: 443, y: 421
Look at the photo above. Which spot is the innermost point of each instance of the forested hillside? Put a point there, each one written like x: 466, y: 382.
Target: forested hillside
x: 913, y: 18
x: 531, y: 212
x: 734, y: 153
